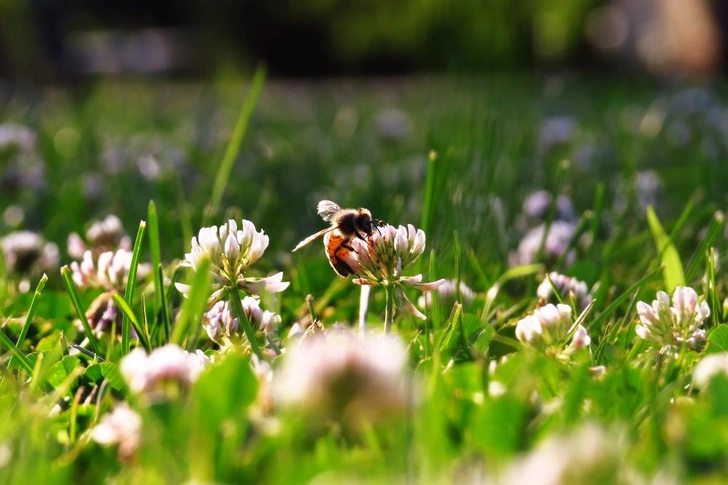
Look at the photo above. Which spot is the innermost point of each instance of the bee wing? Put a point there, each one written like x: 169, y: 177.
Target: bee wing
x: 327, y: 209
x: 313, y: 237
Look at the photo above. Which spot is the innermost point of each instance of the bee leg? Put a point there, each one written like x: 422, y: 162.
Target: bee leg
x: 346, y: 245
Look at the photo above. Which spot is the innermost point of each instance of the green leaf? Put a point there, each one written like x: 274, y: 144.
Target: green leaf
x: 233, y: 375
x: 93, y: 373
x: 672, y: 268
x: 111, y: 373
x: 498, y: 426
x: 718, y: 340
x: 60, y: 371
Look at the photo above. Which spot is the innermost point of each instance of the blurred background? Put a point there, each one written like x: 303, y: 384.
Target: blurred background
x: 65, y: 39
x: 616, y: 105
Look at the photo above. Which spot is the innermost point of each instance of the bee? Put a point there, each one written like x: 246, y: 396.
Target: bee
x: 346, y: 224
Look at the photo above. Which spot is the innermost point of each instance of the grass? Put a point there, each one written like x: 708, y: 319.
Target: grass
x: 458, y: 156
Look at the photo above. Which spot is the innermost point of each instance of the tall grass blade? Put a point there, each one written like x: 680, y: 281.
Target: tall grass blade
x: 236, y: 142
x: 22, y: 359
x: 238, y: 311
x: 131, y: 283
x: 673, y: 273
x: 160, y: 311
x: 76, y: 301
x: 194, y: 305
x: 31, y: 310
x: 129, y: 314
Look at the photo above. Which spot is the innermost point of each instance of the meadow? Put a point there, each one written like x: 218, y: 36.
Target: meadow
x: 543, y: 300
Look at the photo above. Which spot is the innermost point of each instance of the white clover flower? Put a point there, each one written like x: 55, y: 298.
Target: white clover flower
x: 121, y: 427
x: 103, y: 235
x: 549, y: 326
x: 566, y: 286
x: 708, y: 367
x: 670, y: 325
x: 232, y: 251
x: 27, y: 253
x: 380, y: 259
x: 589, y: 454
x: 108, y: 271
x: 556, y: 244
x: 342, y: 377
x: 150, y: 374
x: 447, y: 294
x: 221, y: 324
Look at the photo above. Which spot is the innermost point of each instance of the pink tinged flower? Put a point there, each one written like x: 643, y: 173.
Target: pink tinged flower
x: 447, y: 294
x: 108, y: 271
x: 121, y: 427
x: 567, y: 287
x: 222, y: 325
x: 148, y: 374
x: 580, y: 339
x: 380, y: 259
x: 343, y: 377
x: 27, y: 253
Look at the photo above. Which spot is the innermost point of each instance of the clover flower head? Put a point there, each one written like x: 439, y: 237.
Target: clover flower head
x: 103, y: 235
x: 380, y: 259
x: 165, y: 368
x: 549, y: 327
x: 708, y: 367
x: 27, y: 253
x: 537, y: 204
x: 221, y: 324
x: 232, y: 251
x: 121, y: 427
x: 589, y: 454
x: 342, y: 377
x: 566, y: 286
x: 671, y: 324
x: 108, y: 271
x: 447, y: 294
x: 556, y: 244
x: 16, y: 135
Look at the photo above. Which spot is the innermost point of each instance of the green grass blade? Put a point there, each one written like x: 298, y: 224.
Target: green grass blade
x: 596, y: 220
x: 429, y: 202
x: 194, y: 305
x: 76, y: 301
x: 244, y: 322
x: 31, y: 310
x: 22, y: 359
x: 156, y: 255
x: 714, y: 230
x: 131, y: 284
x: 129, y: 314
x: 236, y: 142
x: 164, y: 305
x: 435, y: 306
x: 673, y: 273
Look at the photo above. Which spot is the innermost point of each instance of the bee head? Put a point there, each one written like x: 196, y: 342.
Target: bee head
x: 363, y: 221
